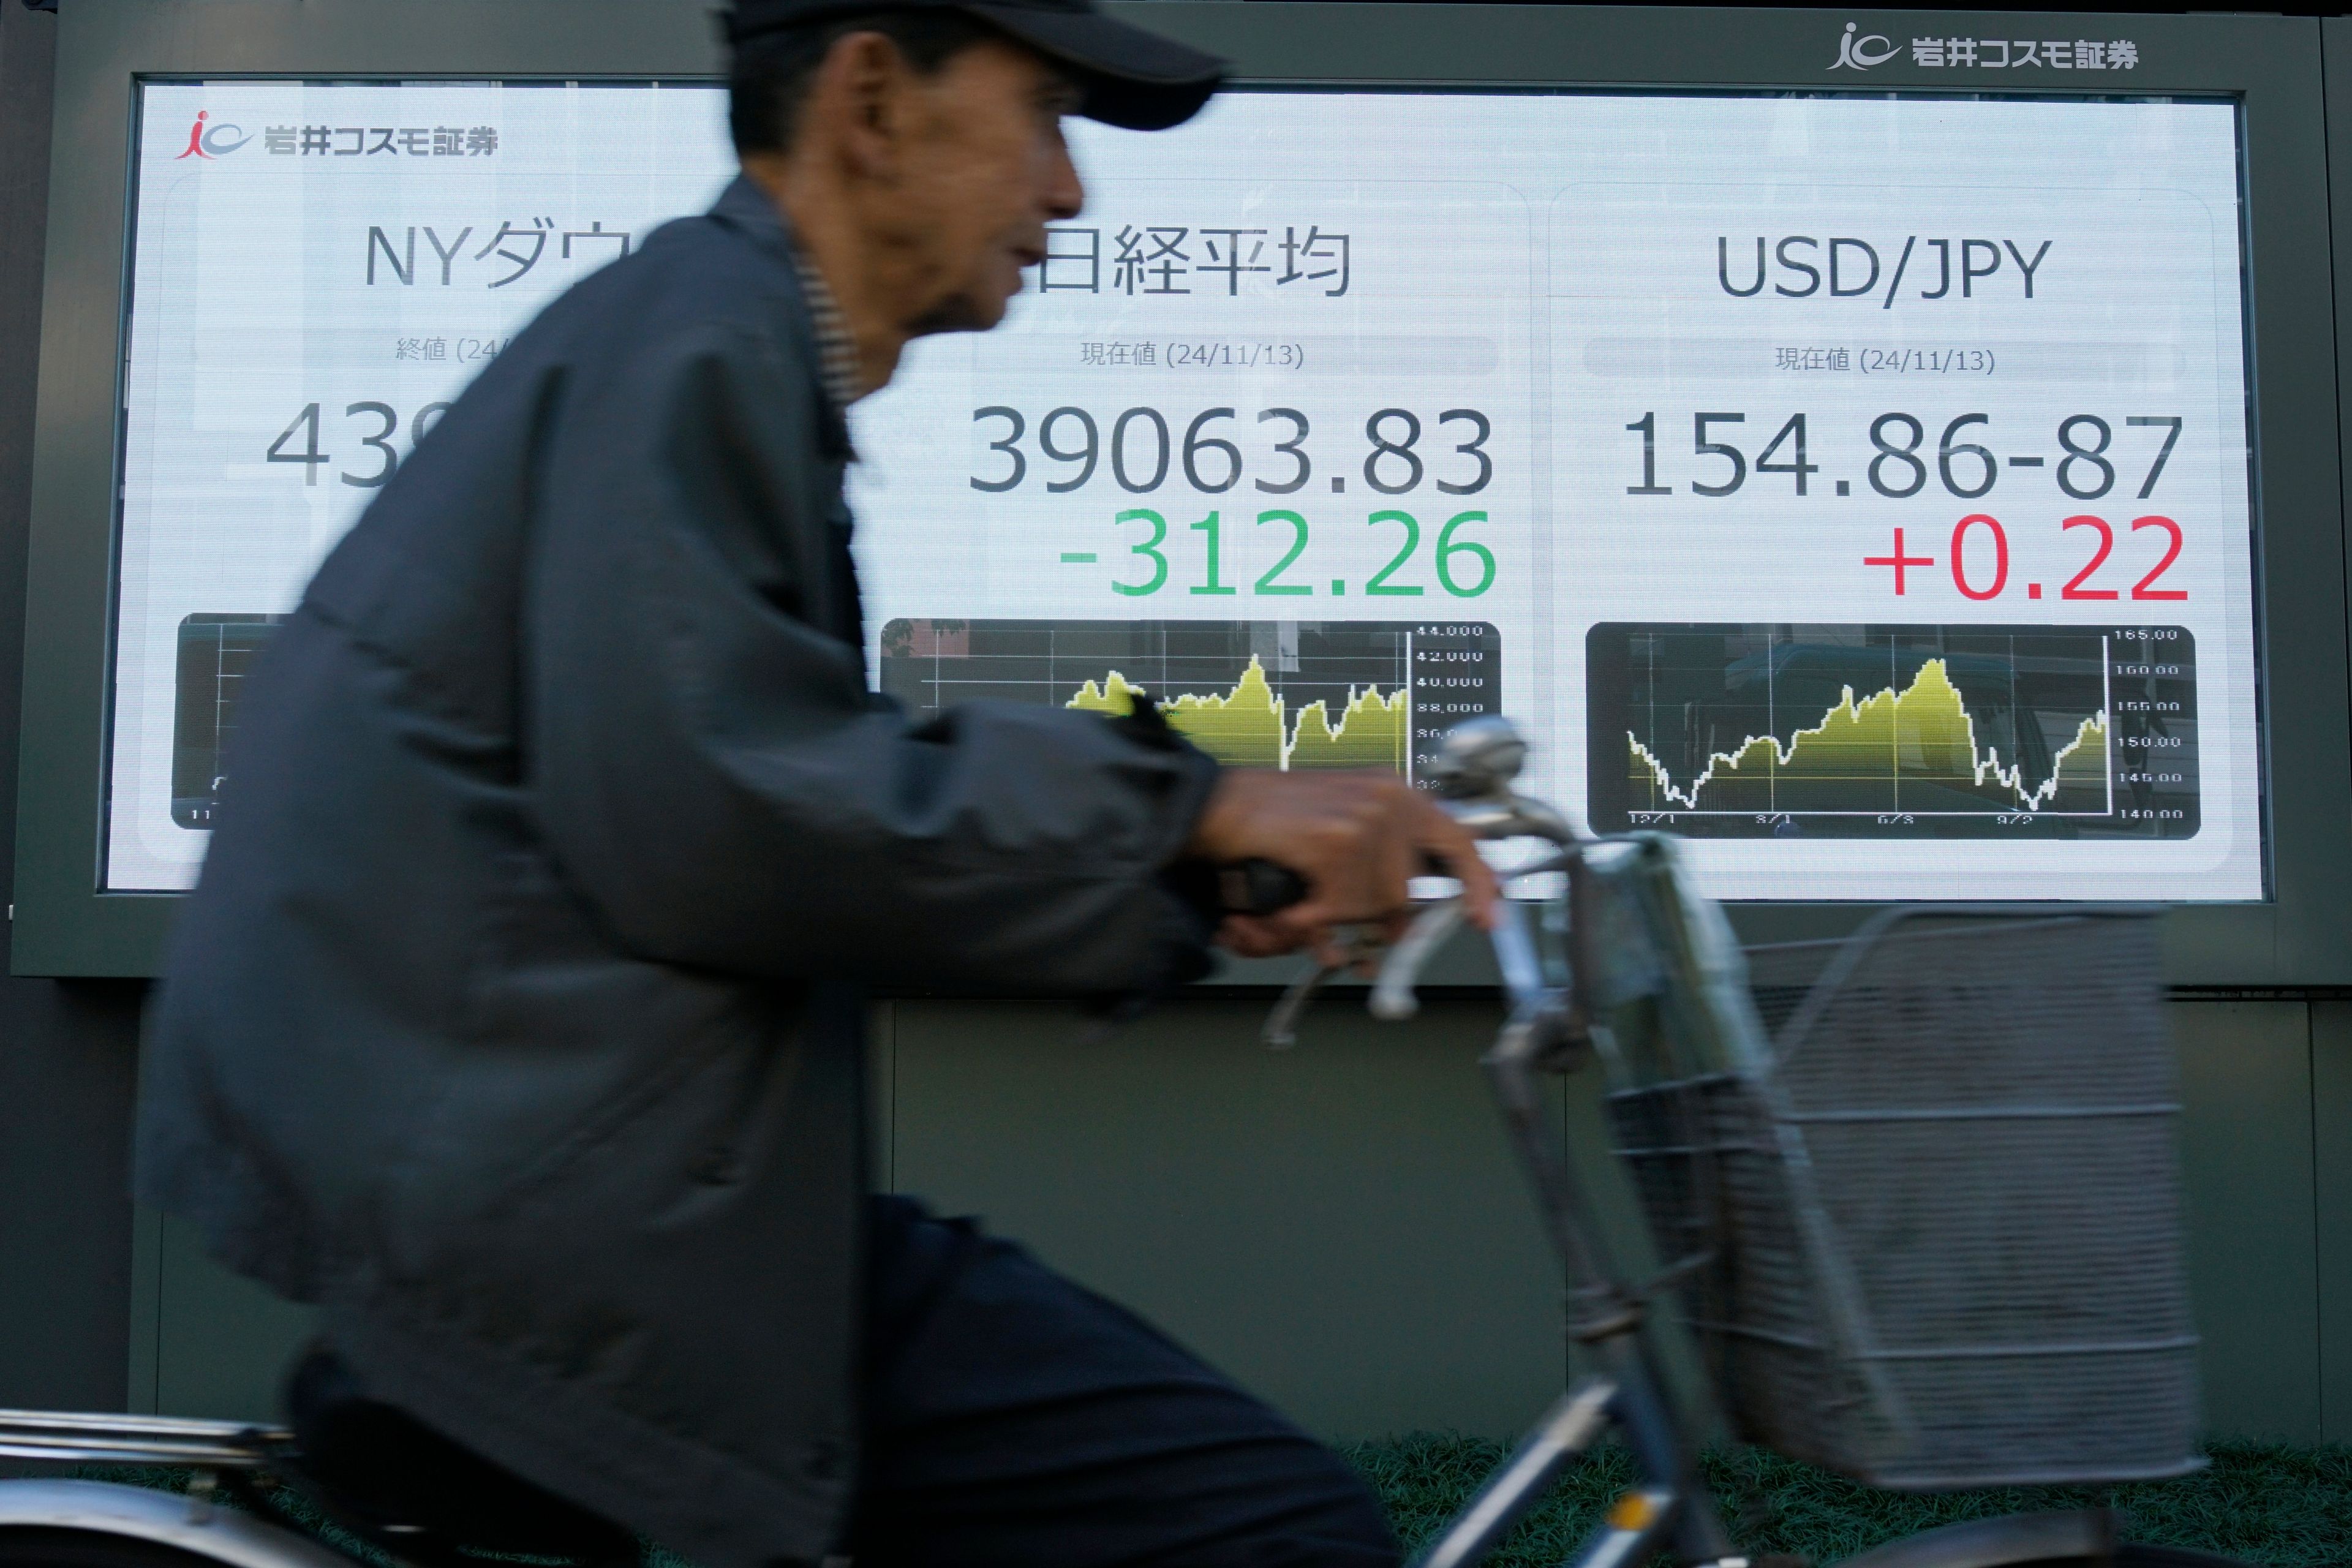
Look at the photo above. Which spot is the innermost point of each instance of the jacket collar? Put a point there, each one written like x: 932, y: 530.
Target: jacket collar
x: 746, y: 208
x: 744, y: 205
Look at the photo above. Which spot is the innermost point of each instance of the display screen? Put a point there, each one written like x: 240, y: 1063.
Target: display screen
x: 1857, y: 486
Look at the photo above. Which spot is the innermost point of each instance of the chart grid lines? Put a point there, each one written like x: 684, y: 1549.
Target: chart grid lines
x: 1738, y: 730
x: 1279, y: 694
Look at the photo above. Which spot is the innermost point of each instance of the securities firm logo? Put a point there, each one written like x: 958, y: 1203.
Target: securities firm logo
x: 1858, y: 51
x: 214, y: 141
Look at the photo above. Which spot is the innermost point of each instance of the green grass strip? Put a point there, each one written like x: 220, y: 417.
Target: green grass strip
x: 2267, y: 1503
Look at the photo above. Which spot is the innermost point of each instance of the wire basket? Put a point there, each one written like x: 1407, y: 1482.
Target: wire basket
x: 1934, y: 1224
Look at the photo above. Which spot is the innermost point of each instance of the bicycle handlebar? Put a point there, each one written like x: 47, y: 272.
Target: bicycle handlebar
x: 1472, y: 772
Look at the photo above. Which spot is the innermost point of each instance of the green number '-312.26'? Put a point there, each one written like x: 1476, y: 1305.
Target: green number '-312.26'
x: 1464, y: 567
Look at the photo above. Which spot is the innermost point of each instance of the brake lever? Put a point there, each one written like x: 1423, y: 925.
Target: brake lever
x: 1260, y: 887
x: 1392, y: 995
x: 1281, y: 1032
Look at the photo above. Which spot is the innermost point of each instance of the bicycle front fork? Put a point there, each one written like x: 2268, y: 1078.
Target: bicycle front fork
x: 1668, y: 1506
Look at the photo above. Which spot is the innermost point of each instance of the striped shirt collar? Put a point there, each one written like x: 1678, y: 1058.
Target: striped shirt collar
x: 836, y: 351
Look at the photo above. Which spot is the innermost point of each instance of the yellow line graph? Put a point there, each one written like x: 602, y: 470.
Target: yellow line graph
x: 1922, y: 737
x: 1250, y: 727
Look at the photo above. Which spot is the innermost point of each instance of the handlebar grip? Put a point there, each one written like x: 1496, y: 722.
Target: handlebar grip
x: 1259, y: 887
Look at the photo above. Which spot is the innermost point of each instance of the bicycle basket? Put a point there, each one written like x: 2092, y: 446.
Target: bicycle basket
x: 1938, y: 1204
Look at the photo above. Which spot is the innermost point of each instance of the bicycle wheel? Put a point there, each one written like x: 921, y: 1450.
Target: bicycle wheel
x: 55, y: 1547
x: 103, y: 1524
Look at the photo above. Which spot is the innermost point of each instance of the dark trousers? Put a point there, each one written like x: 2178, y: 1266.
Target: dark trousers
x: 1014, y: 1419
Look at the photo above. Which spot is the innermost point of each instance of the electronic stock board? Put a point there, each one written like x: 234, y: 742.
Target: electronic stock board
x: 1859, y: 482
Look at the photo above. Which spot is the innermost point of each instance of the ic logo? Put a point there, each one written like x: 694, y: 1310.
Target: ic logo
x: 214, y: 143
x: 1857, y: 54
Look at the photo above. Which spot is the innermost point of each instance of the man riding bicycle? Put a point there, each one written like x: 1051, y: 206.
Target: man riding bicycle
x: 517, y: 1021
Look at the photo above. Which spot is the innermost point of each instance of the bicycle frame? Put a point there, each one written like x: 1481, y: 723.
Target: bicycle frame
x: 1547, y: 1031
x: 1668, y: 1507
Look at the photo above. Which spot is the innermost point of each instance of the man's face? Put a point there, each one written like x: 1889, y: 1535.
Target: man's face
x: 986, y: 170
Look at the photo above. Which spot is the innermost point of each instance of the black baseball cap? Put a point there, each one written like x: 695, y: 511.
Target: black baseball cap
x: 1130, y: 78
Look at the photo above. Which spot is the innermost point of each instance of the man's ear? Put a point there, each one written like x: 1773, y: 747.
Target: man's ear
x: 862, y: 97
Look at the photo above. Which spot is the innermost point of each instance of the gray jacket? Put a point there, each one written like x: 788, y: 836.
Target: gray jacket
x: 518, y: 1016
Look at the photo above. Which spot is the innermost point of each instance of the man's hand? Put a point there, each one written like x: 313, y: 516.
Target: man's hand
x: 1355, y: 839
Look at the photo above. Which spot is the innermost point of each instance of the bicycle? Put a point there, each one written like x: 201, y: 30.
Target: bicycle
x: 1778, y: 1176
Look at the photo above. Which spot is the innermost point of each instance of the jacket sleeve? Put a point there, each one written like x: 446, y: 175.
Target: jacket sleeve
x: 712, y: 775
